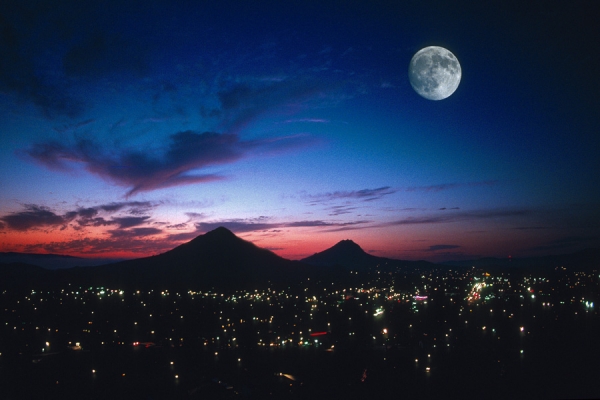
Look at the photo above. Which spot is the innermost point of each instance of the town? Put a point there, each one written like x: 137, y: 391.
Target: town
x: 424, y: 333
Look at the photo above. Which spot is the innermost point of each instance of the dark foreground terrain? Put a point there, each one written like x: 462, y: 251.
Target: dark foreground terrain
x: 436, y: 333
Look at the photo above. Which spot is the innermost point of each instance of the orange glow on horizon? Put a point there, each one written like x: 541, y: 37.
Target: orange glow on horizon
x: 292, y: 244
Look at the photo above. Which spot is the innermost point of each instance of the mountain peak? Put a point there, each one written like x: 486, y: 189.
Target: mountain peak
x: 221, y: 232
x: 348, y: 245
x: 217, y: 257
x: 346, y: 253
x: 220, y: 237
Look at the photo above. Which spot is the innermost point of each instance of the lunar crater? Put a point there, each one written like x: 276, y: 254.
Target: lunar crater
x: 434, y: 73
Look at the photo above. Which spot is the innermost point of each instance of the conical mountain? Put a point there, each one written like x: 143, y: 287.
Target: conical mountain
x: 345, y: 253
x: 218, y: 258
x: 219, y: 248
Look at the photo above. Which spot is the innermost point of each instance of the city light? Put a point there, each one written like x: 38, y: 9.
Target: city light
x: 221, y: 326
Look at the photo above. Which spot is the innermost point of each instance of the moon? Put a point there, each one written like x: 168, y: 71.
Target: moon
x: 434, y: 72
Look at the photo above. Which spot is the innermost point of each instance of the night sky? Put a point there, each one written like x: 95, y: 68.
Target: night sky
x: 127, y: 128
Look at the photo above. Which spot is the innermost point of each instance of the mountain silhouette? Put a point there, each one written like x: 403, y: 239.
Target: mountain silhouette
x: 345, y: 253
x: 351, y: 256
x: 218, y: 258
x: 221, y: 260
x: 53, y: 261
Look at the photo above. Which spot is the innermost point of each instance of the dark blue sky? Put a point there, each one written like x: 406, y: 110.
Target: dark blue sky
x: 127, y: 129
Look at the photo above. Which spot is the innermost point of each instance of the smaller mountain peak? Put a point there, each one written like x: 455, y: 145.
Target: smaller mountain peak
x: 347, y: 248
x: 345, y: 252
x: 347, y: 244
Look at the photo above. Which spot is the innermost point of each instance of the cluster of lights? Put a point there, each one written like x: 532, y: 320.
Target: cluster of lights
x: 307, y: 305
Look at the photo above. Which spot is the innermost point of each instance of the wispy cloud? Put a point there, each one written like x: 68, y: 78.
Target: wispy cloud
x: 405, y: 209
x: 378, y: 193
x: 133, y: 206
x: 350, y: 226
x: 131, y: 226
x: 194, y: 216
x: 128, y: 222
x: 340, y: 210
x: 460, y: 216
x: 319, y: 223
x: 127, y: 243
x: 134, y: 233
x: 244, y: 102
x: 262, y: 224
x: 447, y: 186
x: 362, y: 195
x: 186, y: 153
x: 237, y: 226
x: 35, y: 216
x: 180, y: 226
x: 143, y: 240
x: 97, y: 221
